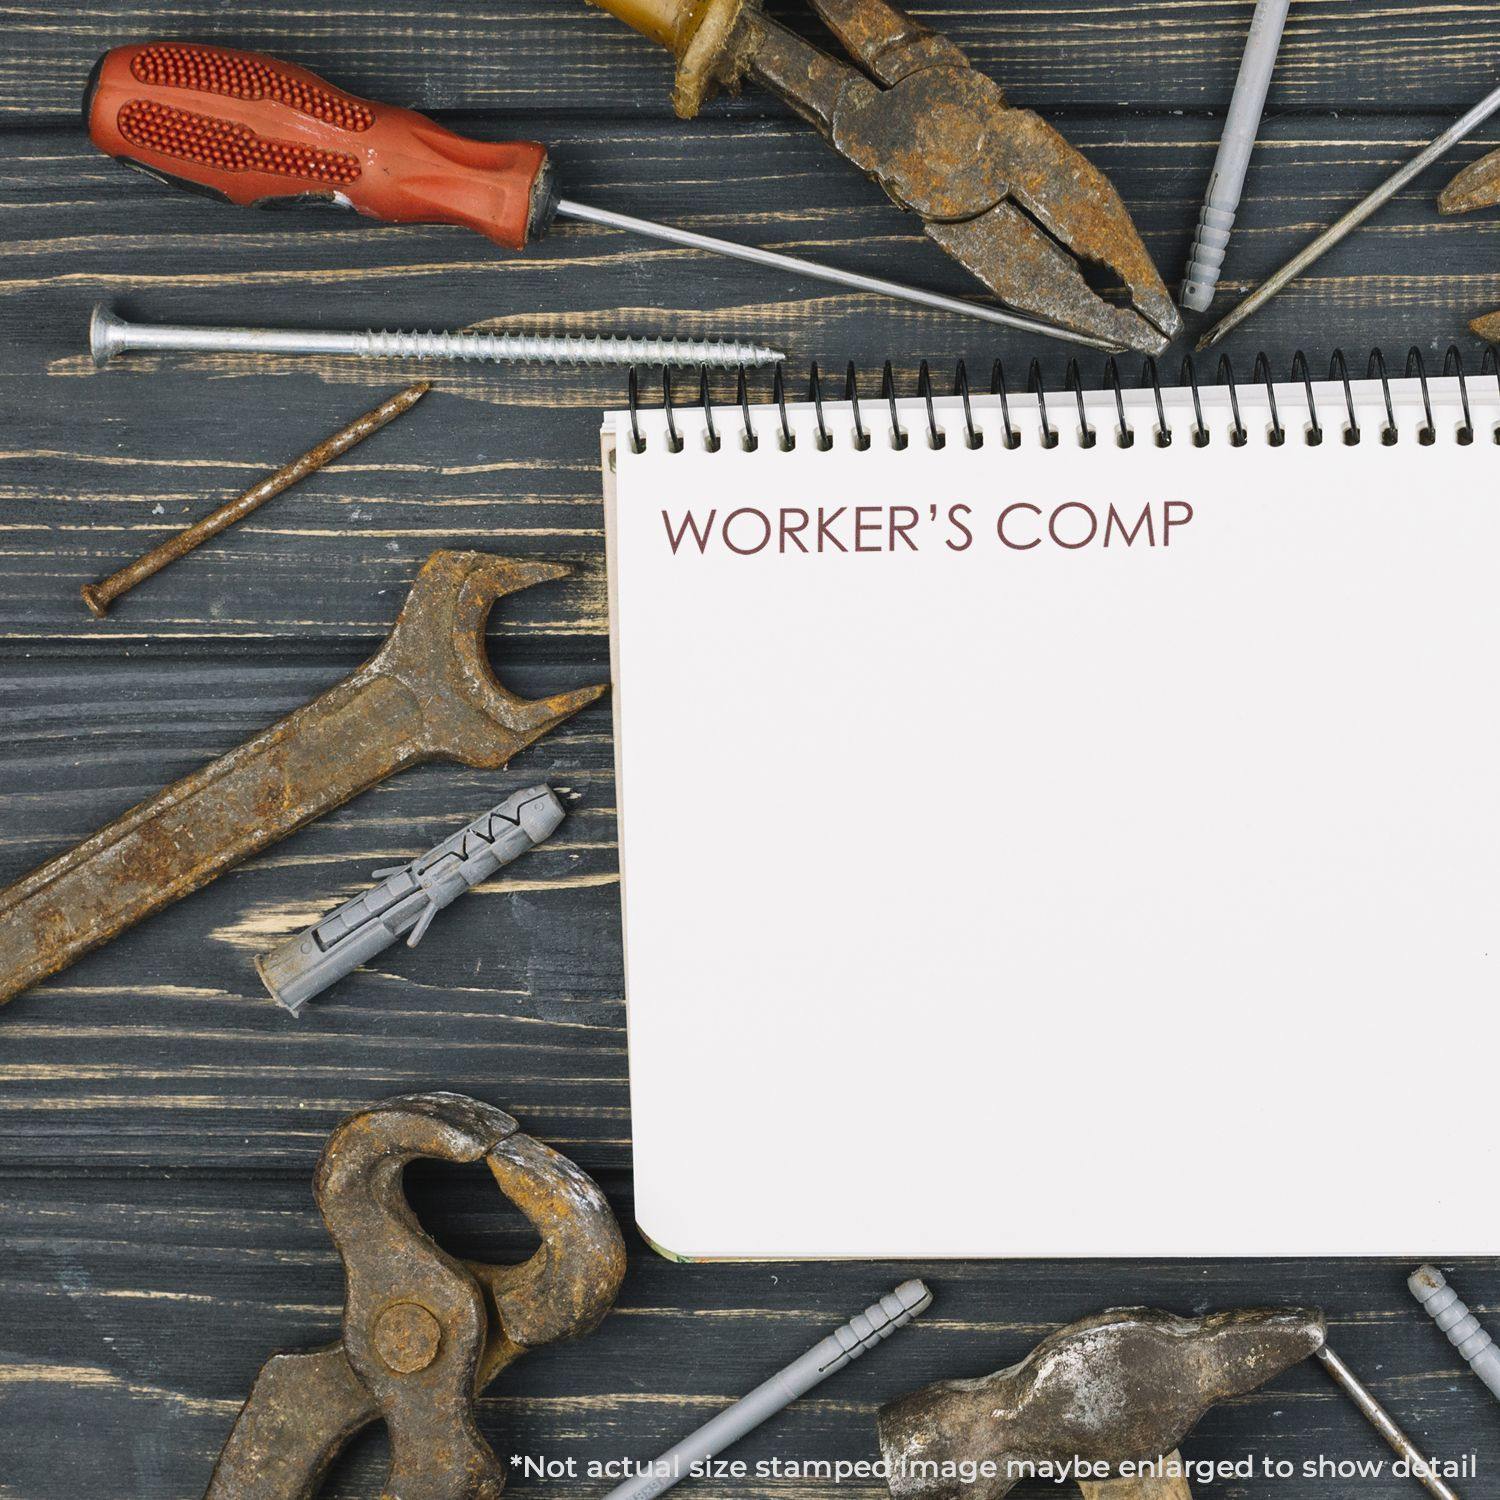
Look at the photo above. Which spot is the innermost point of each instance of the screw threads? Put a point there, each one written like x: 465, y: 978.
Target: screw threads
x: 1444, y: 1306
x: 536, y: 349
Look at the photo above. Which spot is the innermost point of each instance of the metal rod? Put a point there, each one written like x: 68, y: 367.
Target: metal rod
x: 1382, y: 1421
x: 880, y: 287
x: 111, y: 335
x: 1354, y: 218
x: 99, y: 596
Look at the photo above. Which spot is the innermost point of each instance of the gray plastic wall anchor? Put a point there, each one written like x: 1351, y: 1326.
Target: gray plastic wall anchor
x: 407, y: 899
x: 1430, y: 1288
x: 1227, y: 181
x: 844, y: 1345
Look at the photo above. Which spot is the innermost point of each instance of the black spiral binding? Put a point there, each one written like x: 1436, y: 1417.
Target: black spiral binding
x: 1124, y: 435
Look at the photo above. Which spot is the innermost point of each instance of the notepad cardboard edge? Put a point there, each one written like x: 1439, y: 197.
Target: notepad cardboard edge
x: 608, y: 461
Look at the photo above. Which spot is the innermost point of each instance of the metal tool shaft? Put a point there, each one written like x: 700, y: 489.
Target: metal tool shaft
x: 99, y: 596
x: 1382, y: 1421
x: 1354, y: 218
x: 1227, y: 181
x: 877, y: 285
x: 111, y: 336
x: 895, y: 1310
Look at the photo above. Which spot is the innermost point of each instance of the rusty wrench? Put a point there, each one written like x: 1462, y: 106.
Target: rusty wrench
x: 428, y: 694
x: 423, y: 1333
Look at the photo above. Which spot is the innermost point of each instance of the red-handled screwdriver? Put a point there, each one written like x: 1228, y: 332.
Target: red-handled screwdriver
x: 259, y: 132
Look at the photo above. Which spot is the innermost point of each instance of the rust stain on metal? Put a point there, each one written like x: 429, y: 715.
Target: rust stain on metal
x: 423, y: 1334
x: 429, y: 693
x: 996, y: 187
x: 99, y: 596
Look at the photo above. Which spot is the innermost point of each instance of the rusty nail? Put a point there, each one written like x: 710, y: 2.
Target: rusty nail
x: 99, y: 596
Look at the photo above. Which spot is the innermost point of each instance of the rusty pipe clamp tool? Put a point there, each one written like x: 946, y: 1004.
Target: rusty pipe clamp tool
x: 998, y: 188
x: 423, y: 1333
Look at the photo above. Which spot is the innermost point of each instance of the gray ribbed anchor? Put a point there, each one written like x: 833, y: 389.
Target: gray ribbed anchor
x: 110, y: 335
x: 844, y: 1345
x: 1430, y: 1287
x: 407, y: 899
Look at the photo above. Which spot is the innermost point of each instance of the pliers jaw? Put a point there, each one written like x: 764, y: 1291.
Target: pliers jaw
x: 996, y: 187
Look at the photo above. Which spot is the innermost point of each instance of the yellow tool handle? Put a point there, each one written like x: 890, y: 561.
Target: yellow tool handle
x: 670, y: 22
x: 700, y: 34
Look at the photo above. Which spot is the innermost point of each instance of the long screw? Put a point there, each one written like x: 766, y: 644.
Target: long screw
x: 99, y: 596
x: 1430, y: 1287
x: 1354, y: 218
x: 1383, y: 1423
x: 110, y: 335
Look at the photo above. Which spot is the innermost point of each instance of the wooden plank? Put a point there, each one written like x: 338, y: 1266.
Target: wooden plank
x: 140, y: 1311
x: 546, y: 57
x: 94, y: 467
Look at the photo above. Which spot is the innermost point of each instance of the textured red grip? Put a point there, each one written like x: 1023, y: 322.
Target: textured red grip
x: 257, y: 131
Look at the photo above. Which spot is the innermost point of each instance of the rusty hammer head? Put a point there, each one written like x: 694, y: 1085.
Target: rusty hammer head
x: 437, y: 652
x: 1123, y: 1387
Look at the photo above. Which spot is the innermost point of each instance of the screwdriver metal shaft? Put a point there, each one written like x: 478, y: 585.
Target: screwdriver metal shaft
x: 754, y: 255
x: 1356, y: 216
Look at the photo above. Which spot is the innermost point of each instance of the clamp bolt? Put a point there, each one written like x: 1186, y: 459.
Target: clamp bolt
x: 407, y: 1338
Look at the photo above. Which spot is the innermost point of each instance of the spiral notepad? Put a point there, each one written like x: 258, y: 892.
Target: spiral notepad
x: 1062, y: 821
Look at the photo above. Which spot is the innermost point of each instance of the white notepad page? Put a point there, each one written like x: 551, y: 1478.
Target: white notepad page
x: 994, y: 899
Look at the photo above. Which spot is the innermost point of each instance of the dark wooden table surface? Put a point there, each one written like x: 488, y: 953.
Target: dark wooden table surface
x: 159, y: 1117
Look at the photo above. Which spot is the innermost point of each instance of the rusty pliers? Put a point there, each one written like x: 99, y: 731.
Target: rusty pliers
x: 423, y: 1333
x: 996, y: 187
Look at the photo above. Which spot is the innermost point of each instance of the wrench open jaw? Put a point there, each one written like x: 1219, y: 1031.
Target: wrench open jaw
x: 1000, y: 190
x: 1476, y: 187
x: 429, y: 693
